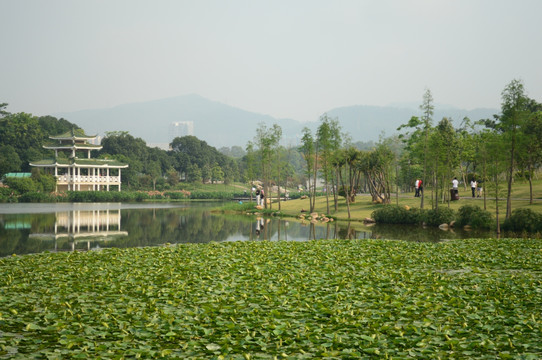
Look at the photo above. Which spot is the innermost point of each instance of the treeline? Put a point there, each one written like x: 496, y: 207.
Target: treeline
x: 494, y: 152
x: 189, y: 159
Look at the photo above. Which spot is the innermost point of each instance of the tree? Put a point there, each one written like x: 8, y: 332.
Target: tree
x: 443, y: 144
x: 172, y: 177
x: 513, y: 116
x: 530, y: 154
x: 9, y: 160
x: 328, y: 139
x: 308, y: 151
x: 427, y: 119
x: 267, y: 141
x: 153, y: 170
x: 193, y: 173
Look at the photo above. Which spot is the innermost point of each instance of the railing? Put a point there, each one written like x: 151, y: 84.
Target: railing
x: 80, y: 179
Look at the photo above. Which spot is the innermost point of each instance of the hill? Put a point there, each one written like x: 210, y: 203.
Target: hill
x: 223, y: 125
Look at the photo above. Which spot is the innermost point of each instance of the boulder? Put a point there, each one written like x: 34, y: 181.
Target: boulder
x: 443, y: 226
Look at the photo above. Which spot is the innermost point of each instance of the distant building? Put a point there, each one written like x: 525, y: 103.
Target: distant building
x: 80, y: 173
x: 180, y: 129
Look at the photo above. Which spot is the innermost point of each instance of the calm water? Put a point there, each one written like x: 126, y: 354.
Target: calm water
x: 33, y: 228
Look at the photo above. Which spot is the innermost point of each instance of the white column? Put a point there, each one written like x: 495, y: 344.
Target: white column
x: 119, y: 179
x: 78, y: 179
x: 108, y: 179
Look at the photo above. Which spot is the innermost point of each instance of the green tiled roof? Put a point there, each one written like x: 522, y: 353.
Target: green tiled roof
x: 18, y: 175
x: 73, y: 133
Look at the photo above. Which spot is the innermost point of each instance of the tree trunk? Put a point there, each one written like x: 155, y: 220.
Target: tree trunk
x: 510, y: 175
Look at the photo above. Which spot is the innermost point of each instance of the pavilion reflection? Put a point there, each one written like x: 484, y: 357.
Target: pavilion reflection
x: 80, y: 226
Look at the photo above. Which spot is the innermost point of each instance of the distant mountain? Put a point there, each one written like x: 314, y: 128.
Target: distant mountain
x: 223, y: 125
x: 216, y: 123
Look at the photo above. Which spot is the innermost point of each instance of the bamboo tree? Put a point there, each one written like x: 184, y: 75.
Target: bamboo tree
x: 513, y: 115
x: 427, y: 119
x: 308, y: 151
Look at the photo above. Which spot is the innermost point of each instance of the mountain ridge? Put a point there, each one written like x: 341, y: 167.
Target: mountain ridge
x: 223, y: 125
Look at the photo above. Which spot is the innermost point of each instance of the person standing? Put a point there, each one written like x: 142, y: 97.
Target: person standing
x: 417, y: 188
x: 455, y: 186
x: 473, y: 187
x: 258, y: 196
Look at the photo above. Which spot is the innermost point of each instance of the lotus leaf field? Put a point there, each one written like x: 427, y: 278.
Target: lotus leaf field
x: 255, y: 300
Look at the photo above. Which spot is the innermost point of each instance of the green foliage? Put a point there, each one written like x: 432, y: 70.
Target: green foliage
x: 21, y: 185
x: 36, y: 197
x: 9, y: 160
x: 471, y: 299
x: 215, y: 195
x: 7, y: 194
x: 436, y: 217
x: 474, y: 216
x: 524, y: 220
x: 393, y: 214
x: 106, y: 196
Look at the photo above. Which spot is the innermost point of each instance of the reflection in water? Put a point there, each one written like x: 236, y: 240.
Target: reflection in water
x: 97, y: 226
x: 83, y: 226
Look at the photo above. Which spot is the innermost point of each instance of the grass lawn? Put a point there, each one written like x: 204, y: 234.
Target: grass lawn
x: 363, y: 207
x: 478, y: 299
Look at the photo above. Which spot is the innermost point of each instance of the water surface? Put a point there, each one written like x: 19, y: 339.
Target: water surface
x: 33, y: 228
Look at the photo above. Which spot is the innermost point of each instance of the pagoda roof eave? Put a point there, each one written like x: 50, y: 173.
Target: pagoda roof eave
x: 69, y: 147
x: 97, y: 163
x: 74, y: 134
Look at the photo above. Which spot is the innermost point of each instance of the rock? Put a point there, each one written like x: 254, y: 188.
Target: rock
x: 443, y: 226
x: 467, y: 227
x: 314, y: 215
x: 407, y: 207
x: 368, y: 221
x: 452, y: 223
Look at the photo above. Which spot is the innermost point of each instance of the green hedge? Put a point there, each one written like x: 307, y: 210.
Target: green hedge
x: 474, y: 216
x: 106, y: 196
x: 393, y: 214
x: 524, y: 220
x: 436, y: 217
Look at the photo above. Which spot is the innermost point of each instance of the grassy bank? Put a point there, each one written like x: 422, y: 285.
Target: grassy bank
x: 345, y: 299
x: 363, y: 207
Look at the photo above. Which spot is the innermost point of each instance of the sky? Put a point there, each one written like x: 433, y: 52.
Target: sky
x: 288, y: 59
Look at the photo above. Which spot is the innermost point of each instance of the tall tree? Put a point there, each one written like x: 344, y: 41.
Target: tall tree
x: 328, y: 139
x: 427, y: 120
x: 267, y: 140
x: 514, y: 113
x: 308, y: 151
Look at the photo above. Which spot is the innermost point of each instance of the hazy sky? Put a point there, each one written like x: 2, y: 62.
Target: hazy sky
x: 289, y: 59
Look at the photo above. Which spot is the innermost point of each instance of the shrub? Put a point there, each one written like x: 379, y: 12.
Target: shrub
x: 524, y: 220
x: 393, y: 214
x: 435, y: 217
x: 21, y: 185
x: 36, y: 197
x: 474, y: 216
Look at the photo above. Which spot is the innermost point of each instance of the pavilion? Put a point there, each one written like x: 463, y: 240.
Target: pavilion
x: 73, y: 167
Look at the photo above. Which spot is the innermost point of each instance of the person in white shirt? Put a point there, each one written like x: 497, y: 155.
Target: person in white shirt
x: 455, y: 185
x: 473, y: 187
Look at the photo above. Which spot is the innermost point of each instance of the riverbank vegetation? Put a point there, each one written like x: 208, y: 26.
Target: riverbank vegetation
x: 503, y: 155
x: 341, y: 299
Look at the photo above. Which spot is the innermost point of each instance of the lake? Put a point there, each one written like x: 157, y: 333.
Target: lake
x: 34, y: 228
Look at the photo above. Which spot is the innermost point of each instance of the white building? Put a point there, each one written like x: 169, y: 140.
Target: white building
x: 74, y: 173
